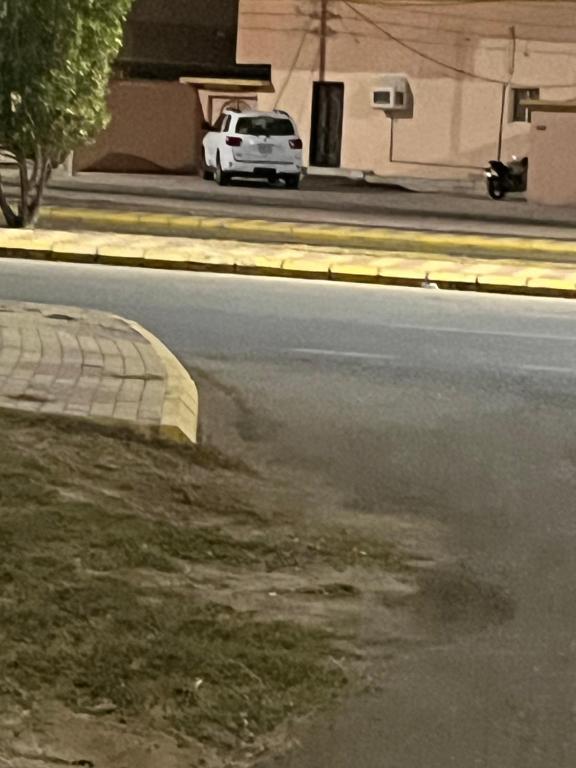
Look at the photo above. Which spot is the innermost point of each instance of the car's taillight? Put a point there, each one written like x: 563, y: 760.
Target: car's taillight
x: 296, y: 143
x: 233, y: 141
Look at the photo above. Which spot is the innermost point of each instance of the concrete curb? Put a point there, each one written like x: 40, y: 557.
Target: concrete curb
x: 528, y: 277
x: 264, y: 231
x: 179, y: 421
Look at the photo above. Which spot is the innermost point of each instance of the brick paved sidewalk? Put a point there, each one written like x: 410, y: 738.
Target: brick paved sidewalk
x: 68, y: 361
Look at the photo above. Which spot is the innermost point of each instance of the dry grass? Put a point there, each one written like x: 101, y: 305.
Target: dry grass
x: 100, y: 533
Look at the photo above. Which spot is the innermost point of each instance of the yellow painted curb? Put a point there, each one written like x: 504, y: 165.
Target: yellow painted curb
x: 260, y: 230
x: 356, y: 270
x: 567, y: 284
x: 67, y: 250
x: 179, y: 420
x: 154, y: 219
x: 259, y: 263
x: 167, y: 258
x: 25, y: 253
x: 121, y: 255
x: 531, y: 277
x: 307, y: 266
x: 185, y: 223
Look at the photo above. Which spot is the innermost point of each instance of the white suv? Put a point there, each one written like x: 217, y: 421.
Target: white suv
x: 253, y: 144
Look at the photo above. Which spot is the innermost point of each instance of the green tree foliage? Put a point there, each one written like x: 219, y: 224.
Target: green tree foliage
x: 55, y: 61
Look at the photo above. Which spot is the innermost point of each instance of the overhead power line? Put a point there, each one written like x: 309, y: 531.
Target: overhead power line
x: 428, y: 57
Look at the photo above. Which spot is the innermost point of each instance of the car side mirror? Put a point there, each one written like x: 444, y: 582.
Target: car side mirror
x: 206, y: 125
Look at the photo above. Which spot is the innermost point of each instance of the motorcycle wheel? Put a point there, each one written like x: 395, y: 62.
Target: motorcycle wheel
x: 495, y: 189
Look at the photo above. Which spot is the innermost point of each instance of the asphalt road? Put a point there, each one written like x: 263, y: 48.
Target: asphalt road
x: 453, y: 409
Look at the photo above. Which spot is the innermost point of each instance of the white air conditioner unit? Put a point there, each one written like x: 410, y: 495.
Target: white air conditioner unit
x: 392, y: 94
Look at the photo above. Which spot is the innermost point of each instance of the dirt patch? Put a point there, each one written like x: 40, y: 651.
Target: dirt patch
x: 454, y: 600
x: 166, y: 606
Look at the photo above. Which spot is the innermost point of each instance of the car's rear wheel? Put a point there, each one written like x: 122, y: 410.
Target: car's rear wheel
x: 496, y: 189
x: 221, y: 177
x: 206, y: 173
x: 293, y: 181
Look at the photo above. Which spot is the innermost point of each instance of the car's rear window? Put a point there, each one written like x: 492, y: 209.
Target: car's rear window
x: 264, y: 126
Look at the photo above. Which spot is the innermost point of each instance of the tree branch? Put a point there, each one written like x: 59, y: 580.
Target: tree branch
x: 24, y: 187
x: 36, y: 166
x: 38, y: 192
x: 9, y: 215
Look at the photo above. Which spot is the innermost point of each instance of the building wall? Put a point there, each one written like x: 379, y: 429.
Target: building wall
x: 155, y: 127
x: 552, y: 169
x: 155, y: 121
x: 459, y: 60
x: 168, y: 38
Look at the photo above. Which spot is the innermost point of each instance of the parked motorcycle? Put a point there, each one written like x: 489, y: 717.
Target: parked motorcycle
x: 502, y: 179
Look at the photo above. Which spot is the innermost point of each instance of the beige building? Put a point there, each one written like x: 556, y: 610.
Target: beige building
x: 552, y: 157
x: 430, y: 89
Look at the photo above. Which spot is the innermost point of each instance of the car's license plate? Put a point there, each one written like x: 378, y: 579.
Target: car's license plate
x: 265, y: 149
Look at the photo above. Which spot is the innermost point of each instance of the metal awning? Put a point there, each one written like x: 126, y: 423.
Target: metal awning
x: 227, y: 84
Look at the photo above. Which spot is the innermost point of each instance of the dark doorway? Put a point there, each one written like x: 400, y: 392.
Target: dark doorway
x: 327, y: 117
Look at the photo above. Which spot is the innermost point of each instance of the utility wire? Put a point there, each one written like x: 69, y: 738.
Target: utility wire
x: 417, y: 52
x: 293, y: 66
x: 434, y: 60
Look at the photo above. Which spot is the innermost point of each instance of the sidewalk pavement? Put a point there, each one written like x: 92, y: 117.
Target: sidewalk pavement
x: 395, y: 195
x: 414, y: 203
x: 90, y: 364
x: 514, y: 271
